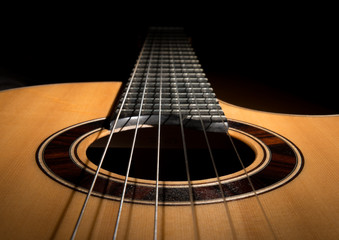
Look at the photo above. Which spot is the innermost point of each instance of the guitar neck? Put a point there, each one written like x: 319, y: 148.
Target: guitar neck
x: 168, y: 80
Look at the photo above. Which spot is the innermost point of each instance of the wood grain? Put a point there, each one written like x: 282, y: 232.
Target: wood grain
x: 35, y: 207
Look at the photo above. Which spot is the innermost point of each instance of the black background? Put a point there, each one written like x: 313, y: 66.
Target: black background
x: 280, y: 58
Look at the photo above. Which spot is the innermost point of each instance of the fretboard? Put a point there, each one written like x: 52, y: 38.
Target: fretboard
x: 168, y: 74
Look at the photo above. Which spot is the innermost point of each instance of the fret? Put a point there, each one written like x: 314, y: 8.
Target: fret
x: 173, y: 65
x: 169, y: 79
x: 173, y: 75
x: 172, y: 58
x: 169, y: 61
x: 213, y: 107
x: 172, y: 84
x: 185, y: 111
x: 172, y: 100
x: 170, y: 95
x: 168, y: 91
x: 168, y: 51
x: 172, y: 90
x: 167, y: 111
x: 168, y: 71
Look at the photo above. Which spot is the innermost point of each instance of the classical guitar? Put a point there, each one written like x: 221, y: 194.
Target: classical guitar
x: 162, y: 158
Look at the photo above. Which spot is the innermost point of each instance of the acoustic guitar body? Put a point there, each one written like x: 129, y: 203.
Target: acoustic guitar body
x: 35, y: 206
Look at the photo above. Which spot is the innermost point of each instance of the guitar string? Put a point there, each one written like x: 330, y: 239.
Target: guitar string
x: 248, y: 179
x: 155, y: 234
x: 218, y: 178
x: 190, y: 189
x: 132, y: 149
x: 89, y: 193
x: 185, y: 153
x: 228, y: 214
x: 253, y: 189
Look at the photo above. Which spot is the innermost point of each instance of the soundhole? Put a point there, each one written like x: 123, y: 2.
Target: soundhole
x: 172, y: 157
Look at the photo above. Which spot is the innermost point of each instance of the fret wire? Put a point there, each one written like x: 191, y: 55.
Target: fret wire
x: 129, y: 165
